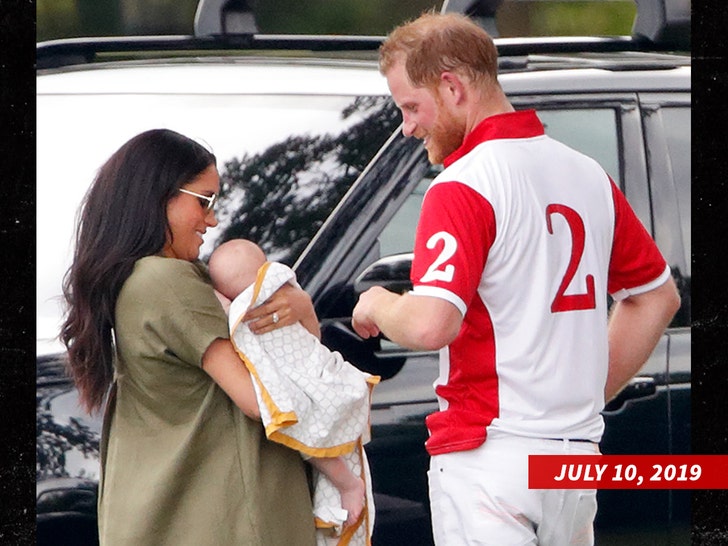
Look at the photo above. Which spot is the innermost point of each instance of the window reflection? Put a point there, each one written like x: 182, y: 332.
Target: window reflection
x: 677, y: 130
x: 592, y: 131
x: 279, y: 197
x: 676, y: 121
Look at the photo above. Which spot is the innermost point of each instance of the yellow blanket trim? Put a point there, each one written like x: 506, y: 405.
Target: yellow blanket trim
x: 365, y: 512
x: 373, y: 380
x: 321, y: 524
x: 279, y: 418
x: 259, y: 282
x: 348, y: 532
x: 331, y: 451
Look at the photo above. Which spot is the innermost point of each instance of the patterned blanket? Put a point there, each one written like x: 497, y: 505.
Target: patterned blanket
x: 310, y: 400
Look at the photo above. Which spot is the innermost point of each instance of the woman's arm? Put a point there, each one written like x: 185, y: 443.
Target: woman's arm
x: 291, y: 305
x: 223, y: 364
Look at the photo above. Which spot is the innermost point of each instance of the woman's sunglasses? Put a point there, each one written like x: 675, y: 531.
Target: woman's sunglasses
x: 206, y: 202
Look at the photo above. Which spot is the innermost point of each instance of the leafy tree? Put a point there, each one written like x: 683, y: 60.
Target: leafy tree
x: 281, y: 196
x: 54, y: 440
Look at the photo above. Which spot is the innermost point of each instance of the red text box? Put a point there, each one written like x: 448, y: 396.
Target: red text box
x: 628, y: 471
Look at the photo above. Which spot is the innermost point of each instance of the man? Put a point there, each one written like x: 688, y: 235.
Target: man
x: 520, y: 240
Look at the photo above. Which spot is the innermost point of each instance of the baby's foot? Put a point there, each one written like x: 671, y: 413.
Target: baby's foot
x: 353, y: 499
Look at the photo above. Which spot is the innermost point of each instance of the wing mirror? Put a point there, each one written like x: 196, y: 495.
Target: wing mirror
x: 390, y: 272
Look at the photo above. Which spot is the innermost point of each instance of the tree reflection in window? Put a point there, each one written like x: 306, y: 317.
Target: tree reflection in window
x: 54, y: 440
x: 289, y: 189
x: 58, y: 433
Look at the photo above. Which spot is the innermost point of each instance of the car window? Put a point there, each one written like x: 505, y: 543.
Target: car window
x: 677, y: 126
x: 279, y: 195
x: 592, y: 131
x: 667, y: 126
x: 398, y: 236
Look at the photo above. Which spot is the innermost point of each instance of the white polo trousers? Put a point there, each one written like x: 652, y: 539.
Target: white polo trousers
x: 481, y: 497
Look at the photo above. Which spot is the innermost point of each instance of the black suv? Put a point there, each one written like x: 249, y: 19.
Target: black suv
x: 315, y: 169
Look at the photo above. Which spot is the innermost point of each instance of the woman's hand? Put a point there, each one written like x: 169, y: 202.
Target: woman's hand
x: 288, y: 305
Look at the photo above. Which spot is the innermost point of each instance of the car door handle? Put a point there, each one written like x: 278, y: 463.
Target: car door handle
x: 637, y: 388
x: 338, y: 335
x: 340, y: 327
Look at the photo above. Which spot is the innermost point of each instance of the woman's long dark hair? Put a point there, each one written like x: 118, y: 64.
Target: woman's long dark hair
x: 123, y: 218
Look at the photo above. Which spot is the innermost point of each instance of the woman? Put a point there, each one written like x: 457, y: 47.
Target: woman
x: 181, y: 463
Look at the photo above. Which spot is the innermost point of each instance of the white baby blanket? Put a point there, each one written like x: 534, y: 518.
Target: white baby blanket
x: 311, y: 400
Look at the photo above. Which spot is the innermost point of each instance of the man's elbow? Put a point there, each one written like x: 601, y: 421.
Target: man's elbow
x: 425, y: 323
x: 433, y: 335
x: 675, y: 304
x: 671, y: 299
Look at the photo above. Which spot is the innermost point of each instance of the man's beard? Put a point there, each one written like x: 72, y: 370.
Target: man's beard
x: 445, y: 136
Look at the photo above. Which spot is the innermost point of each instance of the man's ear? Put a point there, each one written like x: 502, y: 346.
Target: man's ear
x: 452, y: 87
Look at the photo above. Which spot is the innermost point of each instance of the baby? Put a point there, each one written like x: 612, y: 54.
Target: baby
x: 310, y: 398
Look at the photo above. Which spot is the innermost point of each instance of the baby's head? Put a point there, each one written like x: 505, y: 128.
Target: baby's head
x: 234, y: 266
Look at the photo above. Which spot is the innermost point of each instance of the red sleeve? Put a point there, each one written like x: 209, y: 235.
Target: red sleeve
x: 455, y: 231
x: 636, y: 260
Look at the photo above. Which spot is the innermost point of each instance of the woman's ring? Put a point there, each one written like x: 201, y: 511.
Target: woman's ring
x: 275, y: 318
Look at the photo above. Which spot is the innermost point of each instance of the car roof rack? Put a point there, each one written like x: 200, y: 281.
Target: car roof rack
x: 220, y: 17
x: 229, y: 26
x: 481, y: 11
x: 70, y: 51
x: 663, y: 23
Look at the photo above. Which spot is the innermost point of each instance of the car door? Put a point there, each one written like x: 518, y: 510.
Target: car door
x: 660, y: 423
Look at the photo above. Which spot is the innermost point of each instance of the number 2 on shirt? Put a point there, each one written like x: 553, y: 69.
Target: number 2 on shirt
x: 571, y: 302
x: 450, y: 245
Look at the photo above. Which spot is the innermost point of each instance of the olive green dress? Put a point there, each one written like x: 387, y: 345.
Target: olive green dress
x: 181, y: 464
